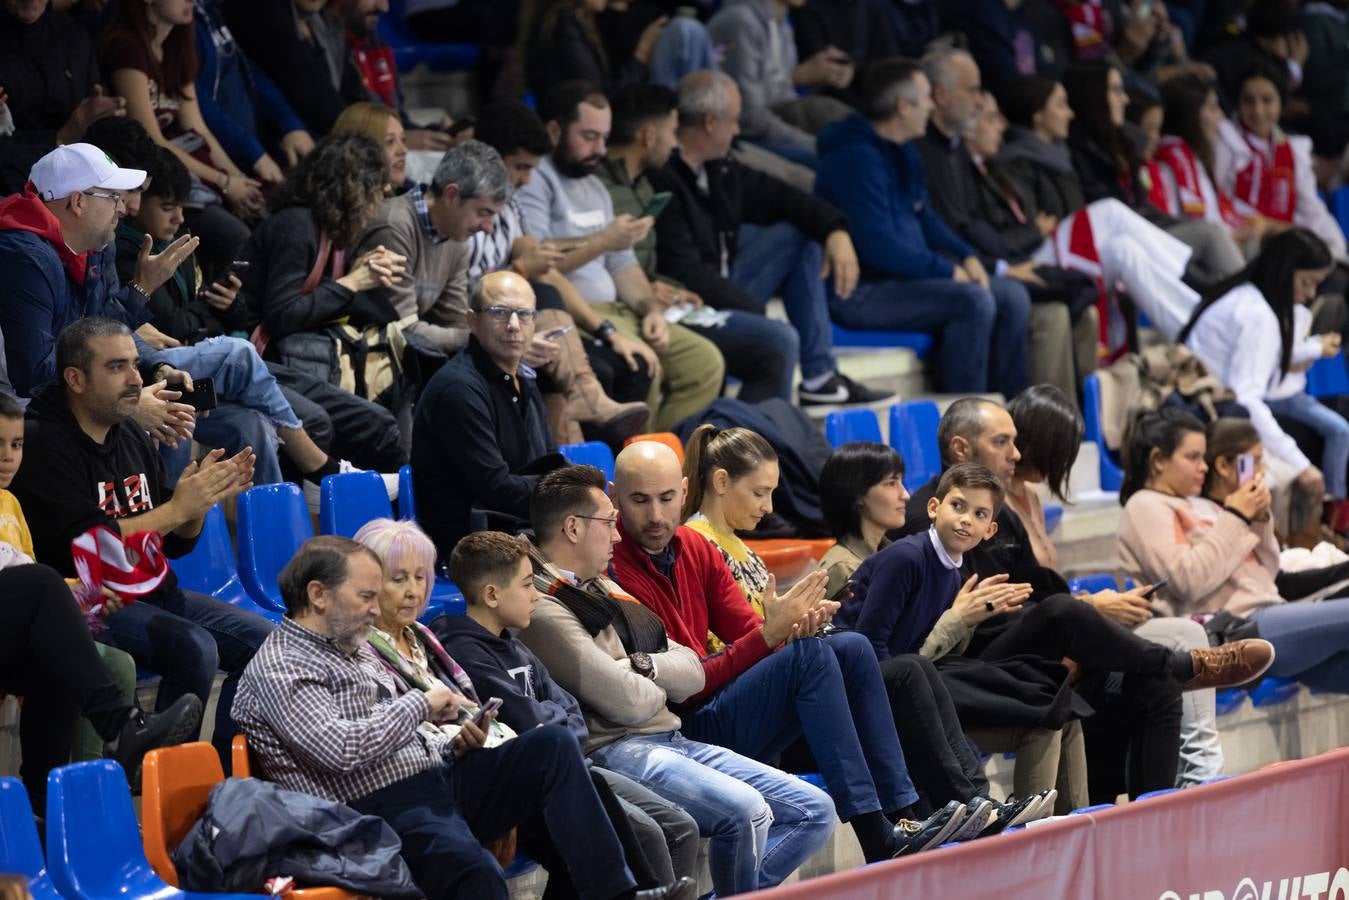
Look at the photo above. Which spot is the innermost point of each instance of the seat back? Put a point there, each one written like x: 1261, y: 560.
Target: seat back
x: 913, y: 432
x: 1328, y: 377
x: 211, y: 563
x: 20, y: 850
x: 591, y: 453
x: 1339, y: 207
x: 93, y: 840
x: 273, y: 523
x: 668, y: 438
x: 407, y: 503
x: 175, y: 783
x: 1090, y: 584
x: 846, y: 425
x: 241, y: 760
x: 349, y: 500
x: 1112, y: 476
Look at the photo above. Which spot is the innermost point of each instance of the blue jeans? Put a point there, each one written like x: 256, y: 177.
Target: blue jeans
x: 829, y: 691
x: 763, y: 823
x: 982, y: 335
x: 760, y: 351
x: 683, y: 47
x: 1332, y: 427
x: 778, y: 260
x: 1311, y: 642
x: 252, y: 405
x: 185, y: 638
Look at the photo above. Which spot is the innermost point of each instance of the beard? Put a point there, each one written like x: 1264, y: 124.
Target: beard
x: 348, y: 632
x: 571, y: 167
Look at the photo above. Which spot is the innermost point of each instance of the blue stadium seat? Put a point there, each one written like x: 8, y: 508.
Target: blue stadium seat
x: 211, y: 568
x: 1150, y: 794
x: 407, y: 504
x: 1339, y: 207
x: 94, y: 849
x: 919, y: 343
x: 408, y: 52
x: 20, y: 851
x: 273, y: 523
x: 1112, y: 476
x: 913, y: 432
x: 1271, y: 691
x: 814, y: 778
x: 591, y: 453
x: 1328, y: 377
x: 1090, y: 584
x: 846, y: 425
x: 1230, y: 700
x: 1053, y: 516
x: 349, y: 500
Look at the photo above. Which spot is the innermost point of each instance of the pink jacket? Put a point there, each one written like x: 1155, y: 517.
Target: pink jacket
x: 1211, y: 558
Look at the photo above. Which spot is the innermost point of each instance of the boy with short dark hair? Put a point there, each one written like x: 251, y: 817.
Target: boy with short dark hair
x: 496, y: 574
x: 901, y: 591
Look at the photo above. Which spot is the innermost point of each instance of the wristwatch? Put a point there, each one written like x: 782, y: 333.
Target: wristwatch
x: 605, y: 332
x: 641, y: 664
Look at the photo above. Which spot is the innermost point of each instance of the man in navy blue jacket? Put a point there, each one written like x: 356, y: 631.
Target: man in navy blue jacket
x: 916, y: 274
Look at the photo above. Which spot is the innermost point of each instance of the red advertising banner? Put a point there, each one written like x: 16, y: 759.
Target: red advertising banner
x: 1278, y: 834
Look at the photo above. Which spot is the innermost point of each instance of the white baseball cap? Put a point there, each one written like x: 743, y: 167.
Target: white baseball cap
x: 79, y: 167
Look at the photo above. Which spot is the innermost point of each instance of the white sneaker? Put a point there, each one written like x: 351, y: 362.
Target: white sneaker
x: 313, y: 493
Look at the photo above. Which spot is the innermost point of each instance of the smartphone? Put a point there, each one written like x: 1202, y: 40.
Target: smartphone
x: 557, y: 332
x: 488, y: 708
x: 237, y: 267
x: 843, y: 593
x: 1152, y: 591
x: 202, y: 397
x: 657, y: 205
x: 1245, y: 468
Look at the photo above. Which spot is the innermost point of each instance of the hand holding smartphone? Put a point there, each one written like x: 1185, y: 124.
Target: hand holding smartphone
x: 479, y: 720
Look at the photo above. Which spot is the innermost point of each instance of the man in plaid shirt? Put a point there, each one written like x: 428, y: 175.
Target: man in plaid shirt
x: 323, y: 716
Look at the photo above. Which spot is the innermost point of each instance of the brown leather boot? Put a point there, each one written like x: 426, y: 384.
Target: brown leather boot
x: 1230, y: 665
x: 586, y: 400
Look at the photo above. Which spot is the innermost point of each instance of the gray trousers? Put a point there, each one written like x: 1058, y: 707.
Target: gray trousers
x: 1061, y: 353
x: 667, y: 834
x: 1201, y: 750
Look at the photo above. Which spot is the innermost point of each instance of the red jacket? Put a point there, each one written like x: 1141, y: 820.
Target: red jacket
x: 703, y: 597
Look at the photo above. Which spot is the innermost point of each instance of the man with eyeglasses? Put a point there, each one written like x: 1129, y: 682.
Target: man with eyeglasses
x: 480, y: 435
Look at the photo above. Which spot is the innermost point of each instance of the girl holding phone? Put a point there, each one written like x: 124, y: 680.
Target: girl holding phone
x: 1188, y: 518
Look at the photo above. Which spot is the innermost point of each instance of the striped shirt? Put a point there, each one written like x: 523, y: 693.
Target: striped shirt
x: 328, y: 722
x: 490, y: 252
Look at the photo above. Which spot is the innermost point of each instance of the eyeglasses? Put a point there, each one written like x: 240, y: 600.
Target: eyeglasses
x: 105, y: 195
x: 611, y: 521
x: 502, y: 314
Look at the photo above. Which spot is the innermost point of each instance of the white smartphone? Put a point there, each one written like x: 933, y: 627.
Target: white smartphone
x: 1245, y: 468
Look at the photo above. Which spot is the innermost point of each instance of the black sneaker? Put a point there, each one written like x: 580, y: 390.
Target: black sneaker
x: 979, y: 813
x: 143, y: 733
x: 840, y: 390
x: 1016, y: 812
x: 915, y: 837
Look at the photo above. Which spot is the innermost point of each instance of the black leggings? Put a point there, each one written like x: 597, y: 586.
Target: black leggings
x: 48, y: 656
x: 1133, y: 740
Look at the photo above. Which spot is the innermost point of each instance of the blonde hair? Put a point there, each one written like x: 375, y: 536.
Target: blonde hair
x: 401, y: 545
x: 367, y: 118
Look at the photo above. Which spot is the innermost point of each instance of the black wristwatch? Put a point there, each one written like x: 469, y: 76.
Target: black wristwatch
x: 605, y: 332
x: 641, y: 664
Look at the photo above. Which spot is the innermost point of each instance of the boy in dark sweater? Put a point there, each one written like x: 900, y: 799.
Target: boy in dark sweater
x: 901, y: 591
x: 660, y: 839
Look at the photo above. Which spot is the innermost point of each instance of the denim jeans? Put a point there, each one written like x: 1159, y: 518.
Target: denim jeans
x: 762, y: 823
x: 829, y: 691
x: 185, y: 638
x: 760, y: 351
x: 778, y: 260
x: 1311, y: 642
x: 982, y: 335
x: 683, y: 47
x: 252, y: 405
x: 1332, y: 427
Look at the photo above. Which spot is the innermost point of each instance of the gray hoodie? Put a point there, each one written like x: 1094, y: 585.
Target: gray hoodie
x: 760, y: 54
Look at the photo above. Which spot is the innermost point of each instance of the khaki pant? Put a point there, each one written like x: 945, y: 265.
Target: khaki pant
x: 1044, y: 759
x: 1061, y: 353
x: 691, y: 369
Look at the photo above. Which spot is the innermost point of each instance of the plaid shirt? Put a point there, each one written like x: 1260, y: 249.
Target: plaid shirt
x: 417, y: 195
x: 329, y: 723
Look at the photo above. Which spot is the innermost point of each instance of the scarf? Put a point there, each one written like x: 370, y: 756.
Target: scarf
x: 1177, y: 156
x: 449, y: 670
x: 599, y: 603
x: 1268, y: 185
x: 1090, y: 24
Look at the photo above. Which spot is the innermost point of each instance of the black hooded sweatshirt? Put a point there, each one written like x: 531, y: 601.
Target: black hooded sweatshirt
x: 69, y: 483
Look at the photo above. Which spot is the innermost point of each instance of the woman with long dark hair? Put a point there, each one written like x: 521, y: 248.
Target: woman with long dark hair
x: 1198, y: 517
x: 149, y: 57
x: 1266, y: 171
x: 1049, y: 431
x: 1252, y: 332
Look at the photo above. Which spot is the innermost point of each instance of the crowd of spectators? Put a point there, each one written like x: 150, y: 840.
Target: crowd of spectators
x: 232, y: 253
